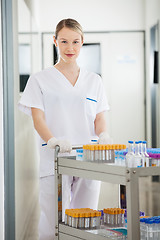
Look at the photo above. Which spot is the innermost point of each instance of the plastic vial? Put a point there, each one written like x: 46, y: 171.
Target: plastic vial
x: 70, y: 219
x: 105, y: 216
x: 119, y: 217
x: 115, y: 217
x: 81, y: 220
x: 144, y: 148
x: 98, y: 219
x: 101, y: 217
x: 66, y: 217
x: 88, y: 153
x: 112, y: 154
x: 122, y: 213
x: 130, y: 155
x: 137, y: 156
x: 124, y: 159
x: 99, y: 153
x: 87, y: 220
x: 109, y: 217
x: 112, y: 217
x: 93, y: 220
x: 84, y: 153
x: 155, y: 229
x: 142, y: 228
x: 86, y: 147
x: 103, y: 153
x: 79, y: 154
x: 121, y: 156
x: 96, y: 155
x: 158, y: 228
x: 116, y: 152
x: 116, y: 157
x: 154, y: 162
x: 92, y: 153
x: 150, y: 229
x: 158, y: 160
x: 107, y: 153
x: 141, y: 151
x: 75, y: 220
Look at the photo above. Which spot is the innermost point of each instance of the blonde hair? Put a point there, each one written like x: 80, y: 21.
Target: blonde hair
x: 71, y: 24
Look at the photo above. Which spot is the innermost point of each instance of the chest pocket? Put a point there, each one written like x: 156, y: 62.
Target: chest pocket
x: 91, y: 106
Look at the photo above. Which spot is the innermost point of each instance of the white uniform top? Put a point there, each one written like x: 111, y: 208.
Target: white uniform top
x: 69, y: 110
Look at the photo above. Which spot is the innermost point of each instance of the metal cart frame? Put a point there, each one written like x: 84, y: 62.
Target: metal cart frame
x: 106, y: 173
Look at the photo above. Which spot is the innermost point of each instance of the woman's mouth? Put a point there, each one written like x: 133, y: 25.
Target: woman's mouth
x: 69, y: 55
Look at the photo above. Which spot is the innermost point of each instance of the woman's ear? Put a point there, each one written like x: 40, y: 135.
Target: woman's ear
x: 82, y: 42
x: 55, y: 41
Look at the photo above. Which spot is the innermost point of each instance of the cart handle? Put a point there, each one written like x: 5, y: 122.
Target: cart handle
x: 57, y: 149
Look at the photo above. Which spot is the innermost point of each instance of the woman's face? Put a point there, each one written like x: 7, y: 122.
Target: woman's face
x: 69, y: 44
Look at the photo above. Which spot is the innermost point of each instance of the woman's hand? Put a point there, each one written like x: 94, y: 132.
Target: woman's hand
x: 43, y: 130
x: 104, y: 138
x: 65, y: 145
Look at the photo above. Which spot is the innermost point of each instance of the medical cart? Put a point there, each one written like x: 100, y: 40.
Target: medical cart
x: 105, y: 173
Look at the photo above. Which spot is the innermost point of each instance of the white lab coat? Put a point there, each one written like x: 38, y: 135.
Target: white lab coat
x: 70, y: 112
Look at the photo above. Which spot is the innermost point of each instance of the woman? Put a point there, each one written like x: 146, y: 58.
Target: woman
x: 67, y: 105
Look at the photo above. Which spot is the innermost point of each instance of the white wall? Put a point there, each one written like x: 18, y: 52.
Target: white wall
x: 1, y: 144
x: 94, y: 15
x: 152, y: 15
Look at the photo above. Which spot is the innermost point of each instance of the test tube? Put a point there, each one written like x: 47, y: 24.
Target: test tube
x: 107, y: 152
x: 98, y: 219
x: 115, y: 217
x: 112, y: 154
x: 96, y: 155
x: 92, y: 153
x: 66, y: 217
x: 119, y: 219
x: 84, y: 153
x: 75, y: 220
x: 112, y: 217
x: 93, y: 220
x: 88, y: 153
x: 99, y: 153
x: 154, y: 162
x: 103, y: 153
x: 158, y: 160
x: 87, y: 220
x: 70, y: 218
x: 81, y: 220
x: 105, y: 216
x: 122, y: 213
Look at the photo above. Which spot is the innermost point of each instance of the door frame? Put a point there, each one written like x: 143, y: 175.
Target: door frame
x: 8, y: 119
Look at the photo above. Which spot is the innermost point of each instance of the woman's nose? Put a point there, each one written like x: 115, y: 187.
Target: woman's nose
x: 70, y: 47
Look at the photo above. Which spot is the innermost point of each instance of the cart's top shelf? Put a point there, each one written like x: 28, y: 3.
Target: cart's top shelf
x: 102, y: 171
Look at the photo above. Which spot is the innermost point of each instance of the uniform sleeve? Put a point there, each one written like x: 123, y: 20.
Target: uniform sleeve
x: 31, y: 97
x: 102, y: 102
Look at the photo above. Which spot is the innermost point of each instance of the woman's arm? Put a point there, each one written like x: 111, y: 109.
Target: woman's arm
x: 40, y: 124
x: 100, y: 123
x: 101, y: 129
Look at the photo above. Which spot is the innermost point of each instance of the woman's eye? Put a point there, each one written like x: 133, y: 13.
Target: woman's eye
x: 76, y: 42
x: 64, y: 41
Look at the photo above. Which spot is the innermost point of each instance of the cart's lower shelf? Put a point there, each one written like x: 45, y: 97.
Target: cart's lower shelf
x: 69, y: 233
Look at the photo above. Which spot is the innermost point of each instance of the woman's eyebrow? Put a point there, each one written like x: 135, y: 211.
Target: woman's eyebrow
x: 66, y: 39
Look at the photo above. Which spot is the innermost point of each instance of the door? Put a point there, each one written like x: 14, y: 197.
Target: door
x: 125, y: 86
